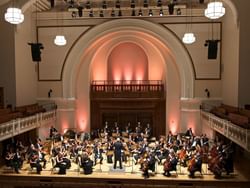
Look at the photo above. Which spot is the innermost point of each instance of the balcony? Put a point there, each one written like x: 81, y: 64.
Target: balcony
x: 233, y: 132
x: 21, y: 125
x: 127, y: 89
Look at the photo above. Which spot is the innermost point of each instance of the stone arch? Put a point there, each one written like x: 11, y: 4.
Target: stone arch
x: 158, y: 32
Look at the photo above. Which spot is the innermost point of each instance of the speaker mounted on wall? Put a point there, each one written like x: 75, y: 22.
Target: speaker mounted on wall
x: 212, y: 48
x: 35, y: 51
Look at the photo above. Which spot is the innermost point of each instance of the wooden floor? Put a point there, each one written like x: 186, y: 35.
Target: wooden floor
x: 130, y: 175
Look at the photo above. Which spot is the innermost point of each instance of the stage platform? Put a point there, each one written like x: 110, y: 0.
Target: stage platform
x: 105, y: 176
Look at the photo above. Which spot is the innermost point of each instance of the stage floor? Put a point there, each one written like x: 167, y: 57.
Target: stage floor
x: 129, y: 171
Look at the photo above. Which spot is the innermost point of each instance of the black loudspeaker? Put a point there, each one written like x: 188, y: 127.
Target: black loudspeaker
x: 212, y: 49
x: 35, y: 51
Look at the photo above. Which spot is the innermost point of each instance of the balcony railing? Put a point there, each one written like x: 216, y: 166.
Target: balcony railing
x: 128, y: 89
x: 21, y: 125
x: 234, y: 132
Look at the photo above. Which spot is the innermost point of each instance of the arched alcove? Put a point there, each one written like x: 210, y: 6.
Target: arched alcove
x: 158, y: 43
x: 127, y: 61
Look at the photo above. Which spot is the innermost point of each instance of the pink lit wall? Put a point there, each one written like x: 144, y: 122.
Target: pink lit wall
x: 127, y: 61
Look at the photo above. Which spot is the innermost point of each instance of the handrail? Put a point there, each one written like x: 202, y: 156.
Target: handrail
x: 127, y: 82
x: 127, y: 86
x: 21, y: 125
x: 237, y: 134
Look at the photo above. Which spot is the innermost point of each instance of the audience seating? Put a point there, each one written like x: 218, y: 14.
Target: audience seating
x: 236, y: 115
x: 7, y: 114
x: 29, y: 110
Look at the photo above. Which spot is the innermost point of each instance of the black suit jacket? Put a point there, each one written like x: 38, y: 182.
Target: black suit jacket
x: 118, y: 149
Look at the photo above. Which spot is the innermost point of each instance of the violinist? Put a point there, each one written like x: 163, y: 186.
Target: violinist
x: 86, y: 163
x: 35, y: 162
x: 39, y: 151
x: 98, y: 151
x: 110, y: 152
x: 9, y: 156
x: 148, y: 130
x: 14, y: 160
x: 61, y: 163
x: 170, y: 164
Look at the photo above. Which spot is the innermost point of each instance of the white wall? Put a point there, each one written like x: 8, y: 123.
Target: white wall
x: 214, y: 87
x: 7, y: 59
x: 230, y: 59
x: 26, y: 71
x: 244, y: 55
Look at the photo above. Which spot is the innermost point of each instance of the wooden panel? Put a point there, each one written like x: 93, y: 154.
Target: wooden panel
x: 123, y: 111
x: 1, y: 97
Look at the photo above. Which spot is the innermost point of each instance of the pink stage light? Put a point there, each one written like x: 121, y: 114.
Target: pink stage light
x: 173, y: 127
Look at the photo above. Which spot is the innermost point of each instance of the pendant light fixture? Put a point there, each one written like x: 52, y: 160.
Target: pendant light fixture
x: 215, y: 10
x: 14, y: 15
x: 189, y: 37
x: 60, y: 39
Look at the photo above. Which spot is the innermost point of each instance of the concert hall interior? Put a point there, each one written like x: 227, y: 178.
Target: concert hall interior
x: 124, y: 93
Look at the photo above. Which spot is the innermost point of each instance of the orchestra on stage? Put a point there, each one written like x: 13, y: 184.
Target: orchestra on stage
x: 117, y: 146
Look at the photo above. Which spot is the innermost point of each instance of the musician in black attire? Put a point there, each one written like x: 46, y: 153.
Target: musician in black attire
x: 196, y: 166
x: 152, y: 161
x: 86, y: 163
x: 118, y: 152
x: 16, y: 161
x: 98, y: 151
x: 52, y: 132
x: 35, y: 162
x: 61, y: 163
x: 189, y: 132
x: 170, y: 164
x: 11, y: 159
x: 227, y: 156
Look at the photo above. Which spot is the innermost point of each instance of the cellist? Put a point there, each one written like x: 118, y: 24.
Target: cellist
x: 195, y: 164
x: 170, y: 163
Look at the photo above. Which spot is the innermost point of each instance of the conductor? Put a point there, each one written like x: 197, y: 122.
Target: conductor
x: 118, y: 152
